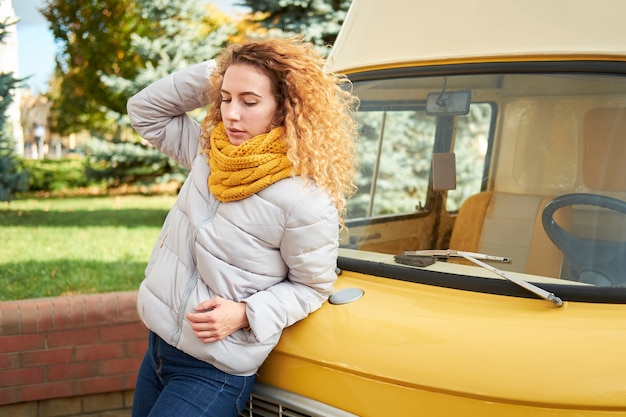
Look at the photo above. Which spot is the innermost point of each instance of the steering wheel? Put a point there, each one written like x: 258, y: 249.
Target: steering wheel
x: 600, y: 262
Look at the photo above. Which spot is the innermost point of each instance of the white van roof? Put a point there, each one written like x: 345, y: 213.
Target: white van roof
x: 386, y: 33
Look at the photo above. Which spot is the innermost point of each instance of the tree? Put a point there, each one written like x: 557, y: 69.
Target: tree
x: 318, y: 20
x: 94, y: 37
x: 12, y: 178
x: 182, y: 33
x: 112, y: 48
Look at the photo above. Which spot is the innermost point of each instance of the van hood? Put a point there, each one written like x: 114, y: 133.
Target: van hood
x: 491, y: 348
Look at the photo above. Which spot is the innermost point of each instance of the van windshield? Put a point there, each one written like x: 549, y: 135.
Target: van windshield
x: 528, y: 167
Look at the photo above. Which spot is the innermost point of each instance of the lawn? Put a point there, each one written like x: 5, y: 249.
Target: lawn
x: 52, y: 247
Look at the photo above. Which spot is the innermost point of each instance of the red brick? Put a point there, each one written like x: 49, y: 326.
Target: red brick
x: 94, y: 310
x: 29, y: 317
x: 22, y: 377
x: 9, y: 395
x: 72, y: 337
x: 110, y: 306
x: 137, y: 347
x: 22, y: 343
x: 100, y: 384
x: 77, y: 311
x: 63, y: 345
x: 61, y: 311
x: 8, y: 361
x: 131, y: 381
x: 127, y: 302
x: 46, y: 314
x: 120, y: 307
x: 46, y: 357
x: 46, y: 391
x: 123, y: 332
x: 96, y: 352
x: 119, y: 366
x: 9, y: 318
x: 72, y: 371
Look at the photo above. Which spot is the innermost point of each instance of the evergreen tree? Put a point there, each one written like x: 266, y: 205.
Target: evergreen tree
x: 12, y: 178
x: 318, y: 20
x: 182, y: 33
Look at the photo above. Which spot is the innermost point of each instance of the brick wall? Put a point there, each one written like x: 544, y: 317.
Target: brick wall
x: 80, y: 351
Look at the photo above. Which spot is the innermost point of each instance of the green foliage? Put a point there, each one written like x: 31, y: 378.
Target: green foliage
x: 56, y: 174
x: 107, y: 165
x: 94, y: 38
x: 318, y: 20
x: 12, y: 177
x: 177, y: 39
x: 130, y: 163
x: 110, y: 49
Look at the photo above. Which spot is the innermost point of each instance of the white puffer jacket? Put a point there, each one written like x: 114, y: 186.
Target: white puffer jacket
x: 276, y: 249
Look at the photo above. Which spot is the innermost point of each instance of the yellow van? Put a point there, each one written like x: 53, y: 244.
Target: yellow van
x: 484, y: 270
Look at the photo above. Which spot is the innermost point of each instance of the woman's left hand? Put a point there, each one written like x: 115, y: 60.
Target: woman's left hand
x: 217, y: 318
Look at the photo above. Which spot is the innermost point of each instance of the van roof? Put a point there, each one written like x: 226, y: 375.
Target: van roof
x: 390, y: 33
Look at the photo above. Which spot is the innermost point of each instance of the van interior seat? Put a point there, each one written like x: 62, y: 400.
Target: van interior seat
x: 509, y: 225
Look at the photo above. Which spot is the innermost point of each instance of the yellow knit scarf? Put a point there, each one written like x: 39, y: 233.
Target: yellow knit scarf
x: 238, y: 172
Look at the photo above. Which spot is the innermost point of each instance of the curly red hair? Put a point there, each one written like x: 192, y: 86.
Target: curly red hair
x: 315, y: 109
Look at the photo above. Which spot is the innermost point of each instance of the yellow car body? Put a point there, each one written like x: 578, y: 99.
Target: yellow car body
x: 509, y: 114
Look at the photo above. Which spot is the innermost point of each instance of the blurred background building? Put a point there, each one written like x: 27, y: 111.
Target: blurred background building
x: 9, y: 64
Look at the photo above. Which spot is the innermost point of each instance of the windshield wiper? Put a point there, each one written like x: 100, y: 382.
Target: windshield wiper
x: 473, y: 257
x: 446, y: 253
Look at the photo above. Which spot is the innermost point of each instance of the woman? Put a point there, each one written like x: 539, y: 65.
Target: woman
x: 250, y: 246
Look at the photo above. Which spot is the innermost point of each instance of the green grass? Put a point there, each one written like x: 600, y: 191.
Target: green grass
x: 53, y: 247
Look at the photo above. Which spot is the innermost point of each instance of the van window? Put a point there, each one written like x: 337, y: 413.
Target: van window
x: 539, y: 170
x: 395, y: 151
x: 394, y: 155
x: 471, y: 146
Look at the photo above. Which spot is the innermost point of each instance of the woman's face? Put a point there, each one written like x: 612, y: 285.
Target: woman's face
x: 248, y: 104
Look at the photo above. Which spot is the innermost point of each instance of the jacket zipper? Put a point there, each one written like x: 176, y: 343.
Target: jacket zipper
x: 194, y: 279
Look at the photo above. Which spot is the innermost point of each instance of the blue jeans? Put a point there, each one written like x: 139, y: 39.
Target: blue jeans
x: 172, y: 383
